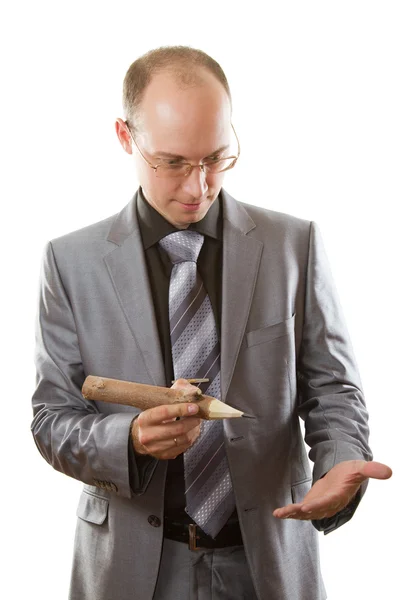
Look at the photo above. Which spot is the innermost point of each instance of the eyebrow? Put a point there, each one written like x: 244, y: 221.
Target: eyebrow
x: 179, y: 156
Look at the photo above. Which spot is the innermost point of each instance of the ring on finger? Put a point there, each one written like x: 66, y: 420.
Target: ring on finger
x: 176, y: 441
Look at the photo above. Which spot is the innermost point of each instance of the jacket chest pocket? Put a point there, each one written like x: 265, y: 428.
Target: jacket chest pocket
x: 270, y: 332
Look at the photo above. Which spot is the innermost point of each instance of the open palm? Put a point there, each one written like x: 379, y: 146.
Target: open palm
x: 333, y: 492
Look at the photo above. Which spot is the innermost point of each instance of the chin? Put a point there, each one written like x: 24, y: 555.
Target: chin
x: 196, y: 216
x: 184, y: 222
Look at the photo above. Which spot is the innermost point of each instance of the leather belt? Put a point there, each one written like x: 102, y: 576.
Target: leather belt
x: 191, y: 534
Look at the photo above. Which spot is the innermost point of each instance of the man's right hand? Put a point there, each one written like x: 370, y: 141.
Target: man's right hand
x: 156, y: 432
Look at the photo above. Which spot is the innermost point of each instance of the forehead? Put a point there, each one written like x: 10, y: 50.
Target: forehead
x: 185, y: 120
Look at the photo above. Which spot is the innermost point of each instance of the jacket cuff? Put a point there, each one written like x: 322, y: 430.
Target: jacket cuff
x: 329, y: 524
x: 141, y: 468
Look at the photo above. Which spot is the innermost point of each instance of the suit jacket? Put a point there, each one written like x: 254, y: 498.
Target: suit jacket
x: 285, y: 352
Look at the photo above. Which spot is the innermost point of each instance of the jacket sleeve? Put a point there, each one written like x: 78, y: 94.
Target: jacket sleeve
x: 331, y: 400
x: 69, y: 431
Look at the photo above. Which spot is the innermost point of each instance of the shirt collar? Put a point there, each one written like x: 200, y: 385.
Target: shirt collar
x: 154, y: 227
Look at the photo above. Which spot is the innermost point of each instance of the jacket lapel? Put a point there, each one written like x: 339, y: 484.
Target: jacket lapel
x: 126, y: 265
x: 241, y: 260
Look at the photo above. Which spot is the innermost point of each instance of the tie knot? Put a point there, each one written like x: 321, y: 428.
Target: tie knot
x: 182, y: 246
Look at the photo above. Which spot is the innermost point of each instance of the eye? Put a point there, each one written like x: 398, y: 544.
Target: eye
x: 174, y: 164
x: 212, y: 159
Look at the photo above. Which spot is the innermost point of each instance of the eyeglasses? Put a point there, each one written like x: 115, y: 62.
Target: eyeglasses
x: 176, y: 168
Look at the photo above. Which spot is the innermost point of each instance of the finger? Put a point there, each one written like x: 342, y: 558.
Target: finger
x: 317, y: 515
x: 364, y: 470
x: 167, y: 412
x: 182, y: 443
x: 296, y: 514
x: 193, y: 434
x: 183, y: 384
x: 376, y: 470
x: 317, y: 509
x: 151, y: 434
x: 314, y: 515
x: 284, y: 511
x: 326, y: 503
x: 170, y: 449
x: 183, y: 427
x: 165, y: 449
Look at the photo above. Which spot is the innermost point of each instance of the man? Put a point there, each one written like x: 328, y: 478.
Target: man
x: 114, y: 296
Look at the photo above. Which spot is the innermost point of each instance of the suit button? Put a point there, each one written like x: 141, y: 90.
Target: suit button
x: 154, y: 521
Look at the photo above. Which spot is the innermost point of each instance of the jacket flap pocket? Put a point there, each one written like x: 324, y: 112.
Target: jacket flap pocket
x: 269, y: 333
x: 299, y: 490
x: 92, y: 508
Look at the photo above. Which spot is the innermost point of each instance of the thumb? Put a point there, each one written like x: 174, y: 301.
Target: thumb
x: 376, y: 470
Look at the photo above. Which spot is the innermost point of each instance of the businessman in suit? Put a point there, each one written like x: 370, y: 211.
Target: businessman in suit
x: 281, y: 351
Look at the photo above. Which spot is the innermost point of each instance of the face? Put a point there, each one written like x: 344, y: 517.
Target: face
x: 190, y: 125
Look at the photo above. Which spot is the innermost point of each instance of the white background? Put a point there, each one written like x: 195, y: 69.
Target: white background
x: 316, y: 106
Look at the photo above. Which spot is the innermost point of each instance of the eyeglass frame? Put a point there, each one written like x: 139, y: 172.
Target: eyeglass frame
x: 188, y: 164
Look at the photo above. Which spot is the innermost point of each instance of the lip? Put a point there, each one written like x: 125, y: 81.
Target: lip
x: 191, y: 207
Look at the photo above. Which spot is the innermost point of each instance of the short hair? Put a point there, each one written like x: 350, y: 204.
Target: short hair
x: 183, y: 62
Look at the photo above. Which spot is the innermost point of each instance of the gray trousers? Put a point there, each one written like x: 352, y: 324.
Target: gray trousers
x: 220, y: 574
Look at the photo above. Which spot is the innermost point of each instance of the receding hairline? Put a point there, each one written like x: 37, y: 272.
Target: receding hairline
x: 184, y: 64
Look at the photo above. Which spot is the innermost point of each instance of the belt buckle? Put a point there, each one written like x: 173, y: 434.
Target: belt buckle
x: 193, y: 537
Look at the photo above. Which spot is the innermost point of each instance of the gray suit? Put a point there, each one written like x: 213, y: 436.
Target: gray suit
x: 284, y: 352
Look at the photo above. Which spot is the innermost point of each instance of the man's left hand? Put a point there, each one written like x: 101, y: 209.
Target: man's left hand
x: 333, y: 492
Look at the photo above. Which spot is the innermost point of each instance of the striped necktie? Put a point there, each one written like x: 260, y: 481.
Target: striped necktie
x: 196, y: 354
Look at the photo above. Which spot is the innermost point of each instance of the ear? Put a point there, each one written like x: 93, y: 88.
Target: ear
x: 124, y: 136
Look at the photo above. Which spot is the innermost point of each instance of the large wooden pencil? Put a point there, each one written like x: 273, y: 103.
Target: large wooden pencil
x: 145, y: 396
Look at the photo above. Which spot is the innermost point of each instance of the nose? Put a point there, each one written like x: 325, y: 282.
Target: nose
x: 196, y: 184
